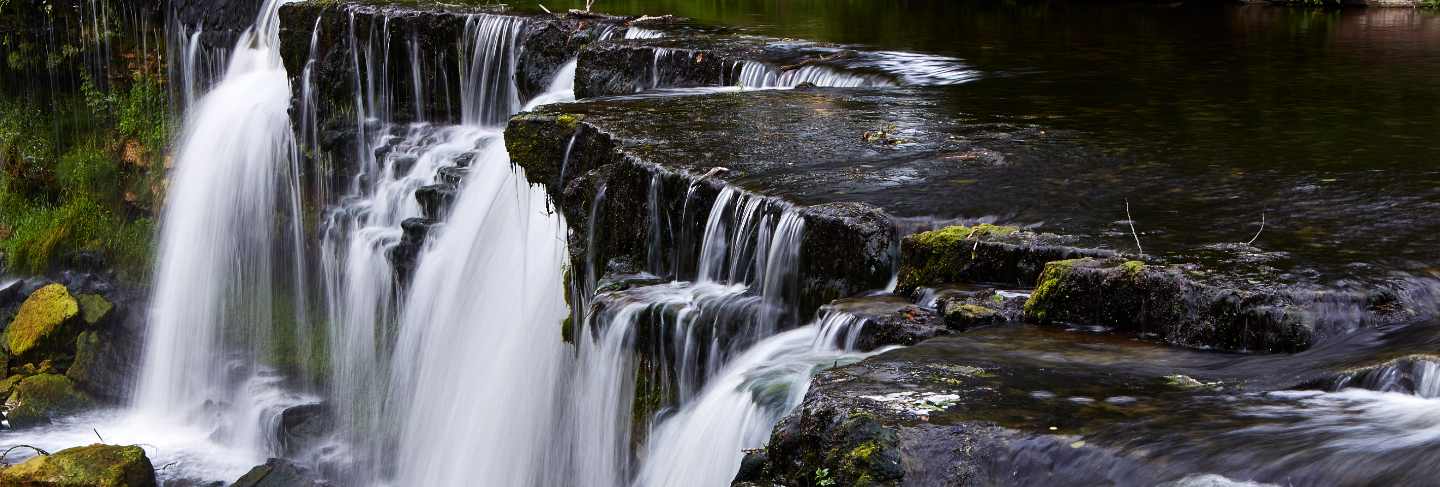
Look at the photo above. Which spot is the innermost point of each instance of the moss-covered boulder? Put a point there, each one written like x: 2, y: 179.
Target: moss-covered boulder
x: 105, y: 363
x: 1170, y: 303
x: 45, y: 325
x: 38, y: 398
x: 980, y: 253
x: 8, y: 385
x: 84, y: 466
x: 94, y: 308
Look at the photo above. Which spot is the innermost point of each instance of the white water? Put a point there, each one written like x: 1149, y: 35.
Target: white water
x: 480, y: 350
x: 703, y: 443
x: 212, y: 309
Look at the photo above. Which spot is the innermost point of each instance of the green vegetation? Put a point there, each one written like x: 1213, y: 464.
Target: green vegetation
x: 82, y: 177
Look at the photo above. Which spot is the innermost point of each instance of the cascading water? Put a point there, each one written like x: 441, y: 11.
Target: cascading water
x: 217, y: 278
x: 479, y: 355
x: 388, y: 339
x: 704, y: 442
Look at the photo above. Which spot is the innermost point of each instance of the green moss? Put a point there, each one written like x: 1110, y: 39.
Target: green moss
x: 1049, y: 288
x: 94, y: 466
x: 863, y: 452
x: 41, y: 321
x: 8, y: 385
x: 942, y: 255
x: 40, y: 397
x: 567, y: 329
x: 1133, y: 267
x: 568, y: 120
x: 93, y: 307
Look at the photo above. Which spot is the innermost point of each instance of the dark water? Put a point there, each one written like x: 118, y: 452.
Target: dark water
x: 1203, y: 117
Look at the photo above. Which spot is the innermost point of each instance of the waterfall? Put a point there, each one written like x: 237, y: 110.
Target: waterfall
x: 480, y: 353
x: 214, y: 312
x: 759, y: 75
x: 703, y: 443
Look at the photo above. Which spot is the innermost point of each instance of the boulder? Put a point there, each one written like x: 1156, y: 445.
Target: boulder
x: 45, y: 325
x: 981, y: 253
x: 94, y: 308
x: 96, y: 465
x: 38, y: 398
x: 303, y: 426
x: 278, y: 472
x: 105, y: 363
x: 1170, y: 303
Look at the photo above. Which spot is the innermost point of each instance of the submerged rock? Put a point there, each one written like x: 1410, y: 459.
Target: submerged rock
x: 278, y: 472
x: 36, y: 399
x: 84, y: 466
x: 45, y: 325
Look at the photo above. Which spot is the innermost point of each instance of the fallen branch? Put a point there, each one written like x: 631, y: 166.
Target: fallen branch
x: 7, y: 451
x: 1131, y: 221
x: 1257, y: 232
x: 97, y: 435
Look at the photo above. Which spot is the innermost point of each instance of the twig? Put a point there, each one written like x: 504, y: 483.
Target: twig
x: 542, y: 7
x: 168, y: 465
x: 97, y: 435
x: 7, y: 451
x: 1257, y: 232
x: 1131, y: 221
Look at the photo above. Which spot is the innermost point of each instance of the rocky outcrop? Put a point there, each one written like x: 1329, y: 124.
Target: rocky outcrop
x: 84, y: 466
x: 982, y: 253
x: 616, y: 199
x: 1170, y: 304
x: 69, y: 344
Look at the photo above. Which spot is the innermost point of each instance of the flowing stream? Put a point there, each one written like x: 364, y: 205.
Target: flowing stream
x: 457, y: 344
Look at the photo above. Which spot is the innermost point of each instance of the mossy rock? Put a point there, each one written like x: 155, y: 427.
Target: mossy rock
x: 961, y: 315
x: 44, y: 325
x: 96, y: 465
x: 1171, y: 304
x: 981, y: 253
x: 38, y: 398
x: 94, y: 308
x: 95, y: 369
x: 8, y: 385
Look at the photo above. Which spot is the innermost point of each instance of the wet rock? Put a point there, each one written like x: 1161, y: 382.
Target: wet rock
x: 1170, y: 304
x: 105, y: 364
x: 278, y: 472
x: 982, y: 253
x: 94, y: 308
x: 304, y: 426
x: 45, y: 326
x: 961, y: 315
x: 623, y: 68
x: 435, y: 200
x: 403, y: 255
x: 89, y: 466
x: 846, y: 248
x: 889, y: 320
x: 37, y: 399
